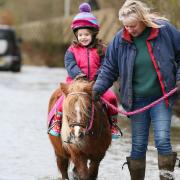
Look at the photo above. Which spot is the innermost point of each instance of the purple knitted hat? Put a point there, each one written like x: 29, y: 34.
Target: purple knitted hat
x: 84, y: 18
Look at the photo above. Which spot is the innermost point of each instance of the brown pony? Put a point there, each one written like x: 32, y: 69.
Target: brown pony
x: 85, y: 134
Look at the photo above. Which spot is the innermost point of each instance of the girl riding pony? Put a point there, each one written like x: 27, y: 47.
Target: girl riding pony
x: 83, y: 59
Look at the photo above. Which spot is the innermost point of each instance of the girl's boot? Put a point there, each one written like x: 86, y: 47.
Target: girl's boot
x: 115, y: 130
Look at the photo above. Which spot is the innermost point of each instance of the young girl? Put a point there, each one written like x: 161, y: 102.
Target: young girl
x: 85, y: 56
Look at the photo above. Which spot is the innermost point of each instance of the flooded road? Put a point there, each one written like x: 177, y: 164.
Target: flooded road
x: 25, y: 151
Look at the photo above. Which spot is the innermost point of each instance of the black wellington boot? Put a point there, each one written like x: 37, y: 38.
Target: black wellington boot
x: 136, y: 168
x: 166, y: 165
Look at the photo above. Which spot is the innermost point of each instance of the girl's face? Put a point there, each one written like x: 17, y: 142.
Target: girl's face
x: 84, y: 36
x: 135, y: 28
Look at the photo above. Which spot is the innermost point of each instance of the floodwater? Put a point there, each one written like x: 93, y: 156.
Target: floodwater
x: 25, y: 150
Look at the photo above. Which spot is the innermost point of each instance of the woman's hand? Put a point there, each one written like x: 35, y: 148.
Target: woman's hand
x: 95, y: 96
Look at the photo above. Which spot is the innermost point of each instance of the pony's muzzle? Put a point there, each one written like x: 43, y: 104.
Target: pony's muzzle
x: 81, y: 135
x: 77, y: 133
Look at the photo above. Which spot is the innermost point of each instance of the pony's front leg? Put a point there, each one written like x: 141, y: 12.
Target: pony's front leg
x: 62, y: 164
x: 93, y: 169
x: 81, y: 168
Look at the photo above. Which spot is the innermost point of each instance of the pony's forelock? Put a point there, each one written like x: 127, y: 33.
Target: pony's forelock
x: 70, y: 102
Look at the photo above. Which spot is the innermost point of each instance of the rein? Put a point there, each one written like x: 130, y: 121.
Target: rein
x: 141, y: 109
x: 92, y: 112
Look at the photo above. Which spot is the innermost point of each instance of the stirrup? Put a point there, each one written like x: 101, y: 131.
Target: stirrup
x: 49, y: 129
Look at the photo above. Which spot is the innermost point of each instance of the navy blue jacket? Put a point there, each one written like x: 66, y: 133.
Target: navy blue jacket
x: 164, y: 48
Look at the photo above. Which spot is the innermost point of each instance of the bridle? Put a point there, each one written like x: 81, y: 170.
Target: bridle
x: 90, y: 124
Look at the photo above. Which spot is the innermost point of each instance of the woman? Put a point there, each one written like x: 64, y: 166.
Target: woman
x: 145, y: 54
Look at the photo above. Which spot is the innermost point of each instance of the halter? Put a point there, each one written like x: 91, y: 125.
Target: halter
x: 79, y: 92
x: 92, y: 112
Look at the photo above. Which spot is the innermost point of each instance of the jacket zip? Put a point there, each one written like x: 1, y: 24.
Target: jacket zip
x: 155, y: 63
x: 88, y: 75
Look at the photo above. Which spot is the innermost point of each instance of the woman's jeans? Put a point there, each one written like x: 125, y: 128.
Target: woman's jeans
x: 159, y: 116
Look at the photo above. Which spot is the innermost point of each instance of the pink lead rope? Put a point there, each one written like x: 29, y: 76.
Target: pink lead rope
x: 141, y: 109
x: 59, y: 101
x: 92, y: 118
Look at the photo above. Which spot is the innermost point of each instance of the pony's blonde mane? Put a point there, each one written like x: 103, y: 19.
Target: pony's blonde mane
x: 80, y: 86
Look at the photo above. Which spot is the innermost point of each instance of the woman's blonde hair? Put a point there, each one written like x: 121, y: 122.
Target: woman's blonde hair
x: 137, y: 10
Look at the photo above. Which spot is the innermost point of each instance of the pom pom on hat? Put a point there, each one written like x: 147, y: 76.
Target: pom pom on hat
x: 85, y: 18
x: 85, y: 7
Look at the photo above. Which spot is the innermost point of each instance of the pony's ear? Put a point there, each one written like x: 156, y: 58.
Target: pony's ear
x: 64, y: 88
